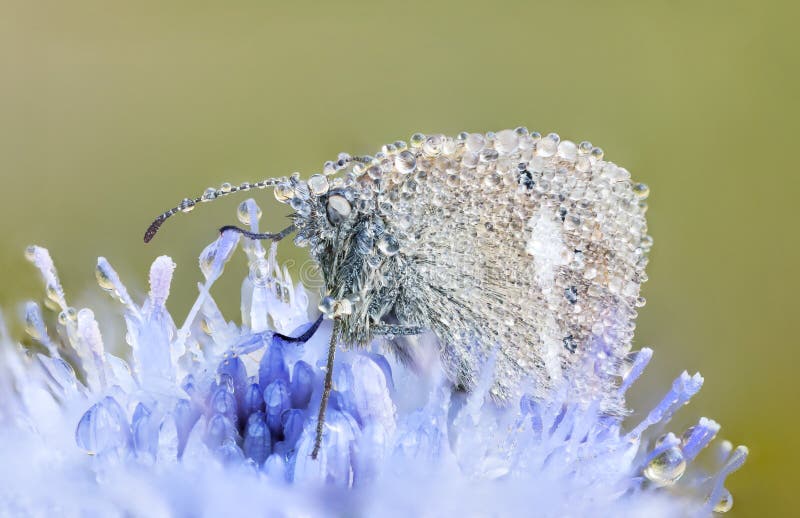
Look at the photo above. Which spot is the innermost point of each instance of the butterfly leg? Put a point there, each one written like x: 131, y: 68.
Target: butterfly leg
x: 326, y: 393
x: 384, y: 329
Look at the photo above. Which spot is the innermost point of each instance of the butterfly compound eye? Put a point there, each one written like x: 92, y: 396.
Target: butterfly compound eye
x: 338, y: 209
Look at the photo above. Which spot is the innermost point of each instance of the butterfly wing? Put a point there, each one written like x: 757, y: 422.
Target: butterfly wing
x: 522, y: 252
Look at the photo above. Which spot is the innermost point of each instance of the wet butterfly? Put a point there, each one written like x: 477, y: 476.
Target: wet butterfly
x: 520, y: 251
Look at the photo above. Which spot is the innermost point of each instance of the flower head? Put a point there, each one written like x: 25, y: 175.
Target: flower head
x: 206, y: 416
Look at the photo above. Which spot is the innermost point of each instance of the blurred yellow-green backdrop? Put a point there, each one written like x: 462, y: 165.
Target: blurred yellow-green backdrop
x: 112, y: 111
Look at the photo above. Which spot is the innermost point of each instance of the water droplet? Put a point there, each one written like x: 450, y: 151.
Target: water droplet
x: 327, y: 306
x: 488, y: 155
x: 53, y: 293
x: 475, y: 142
x: 338, y: 209
x: 318, y: 184
x: 598, y: 328
x: 187, y: 205
x: 226, y: 187
x: 259, y: 272
x: 568, y: 150
x: 209, y: 194
x: 642, y: 191
x: 30, y: 253
x: 405, y: 162
x: 328, y: 168
x: 548, y: 145
x: 33, y: 321
x: 300, y: 241
x: 570, y: 344
x: 627, y: 363
x: 68, y: 315
x: 283, y: 192
x: 666, y: 468
x: 506, y: 141
x: 103, y: 278
x: 374, y: 261
x: 583, y: 164
x: 243, y: 213
x: 343, y: 307
x: 493, y: 180
x: 432, y: 145
x: 103, y: 428
x: 417, y: 139
x: 571, y: 294
x: 64, y: 316
x: 206, y: 326
x: 388, y: 245
x: 725, y: 502
x: 206, y: 260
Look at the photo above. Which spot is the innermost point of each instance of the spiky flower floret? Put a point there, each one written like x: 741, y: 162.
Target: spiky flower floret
x: 210, y: 417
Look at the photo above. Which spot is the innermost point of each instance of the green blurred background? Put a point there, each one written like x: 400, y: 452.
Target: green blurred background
x: 110, y: 113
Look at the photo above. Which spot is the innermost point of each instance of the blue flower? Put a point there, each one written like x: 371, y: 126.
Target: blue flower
x: 211, y: 417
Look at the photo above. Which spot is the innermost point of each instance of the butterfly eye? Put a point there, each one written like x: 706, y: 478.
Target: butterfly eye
x: 338, y: 209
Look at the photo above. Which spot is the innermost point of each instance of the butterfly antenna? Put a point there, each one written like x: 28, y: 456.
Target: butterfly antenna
x: 210, y: 194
